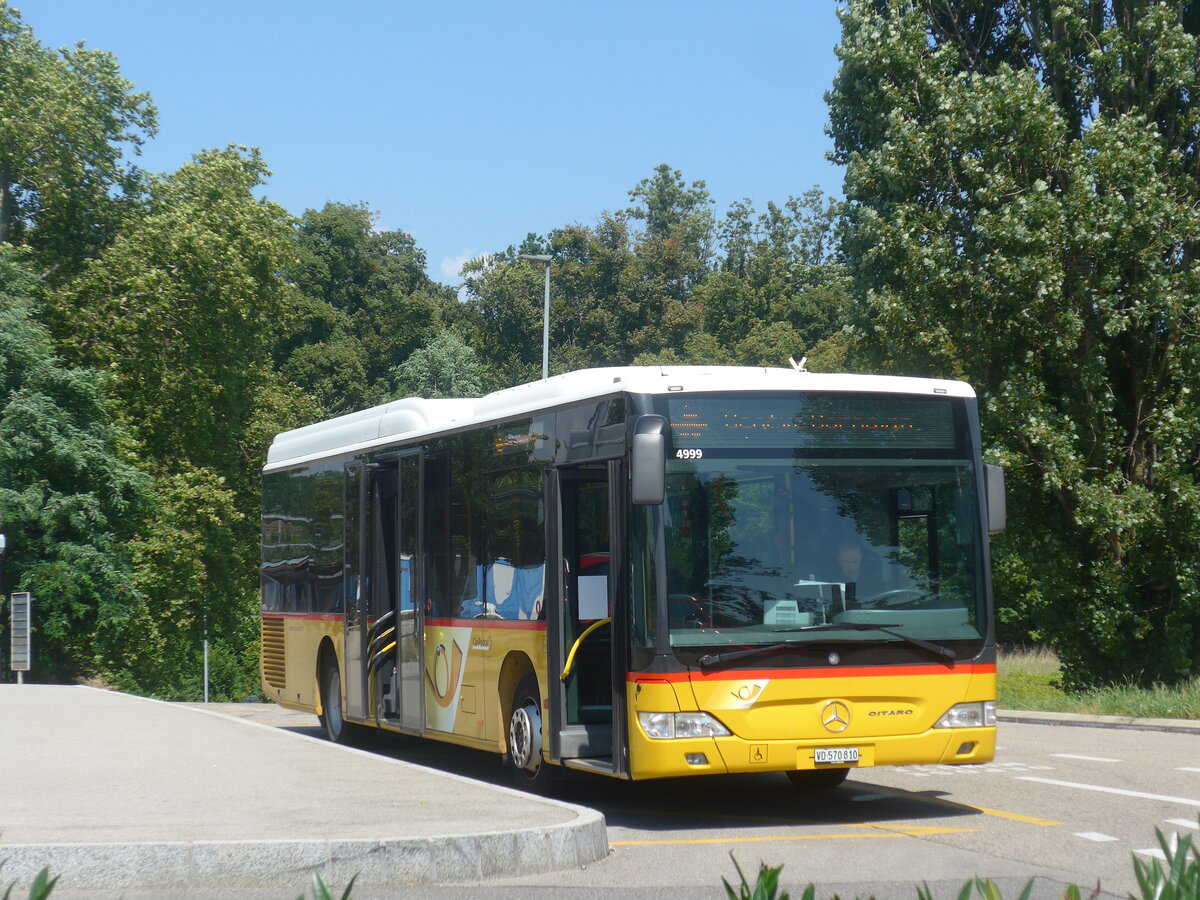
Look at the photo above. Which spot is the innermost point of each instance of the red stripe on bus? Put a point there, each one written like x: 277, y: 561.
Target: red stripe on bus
x: 510, y: 624
x: 824, y: 672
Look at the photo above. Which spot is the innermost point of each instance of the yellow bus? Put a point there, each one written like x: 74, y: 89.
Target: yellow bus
x: 644, y: 572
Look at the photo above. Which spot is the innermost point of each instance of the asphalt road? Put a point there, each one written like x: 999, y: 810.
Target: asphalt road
x: 1059, y: 804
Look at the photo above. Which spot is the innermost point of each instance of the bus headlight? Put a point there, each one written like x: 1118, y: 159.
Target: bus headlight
x: 664, y: 726
x: 969, y: 715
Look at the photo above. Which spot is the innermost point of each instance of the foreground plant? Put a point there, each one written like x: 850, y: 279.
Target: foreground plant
x: 766, y: 887
x: 1176, y: 879
x: 42, y: 885
x: 321, y: 891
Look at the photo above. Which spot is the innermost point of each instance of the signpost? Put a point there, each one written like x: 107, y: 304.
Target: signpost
x: 20, y: 619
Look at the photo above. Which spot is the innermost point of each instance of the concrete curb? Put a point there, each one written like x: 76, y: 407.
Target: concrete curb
x: 562, y: 836
x: 1080, y: 720
x: 289, y: 864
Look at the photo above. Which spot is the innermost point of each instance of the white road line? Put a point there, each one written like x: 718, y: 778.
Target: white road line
x: 1153, y: 851
x: 1109, y: 790
x: 1085, y: 758
x: 1095, y: 836
x: 1184, y: 823
x: 1187, y: 769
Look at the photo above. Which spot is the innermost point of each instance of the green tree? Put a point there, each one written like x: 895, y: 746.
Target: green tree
x: 66, y: 119
x: 503, y: 315
x: 444, y: 367
x: 674, y: 256
x: 1024, y: 213
x: 779, y: 269
x: 68, y: 504
x: 364, y: 304
x: 190, y: 561
x: 182, y: 310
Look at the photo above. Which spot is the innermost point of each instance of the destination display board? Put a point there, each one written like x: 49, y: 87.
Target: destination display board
x: 825, y: 421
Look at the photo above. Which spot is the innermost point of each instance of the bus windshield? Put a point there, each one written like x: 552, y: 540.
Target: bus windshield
x: 794, y: 538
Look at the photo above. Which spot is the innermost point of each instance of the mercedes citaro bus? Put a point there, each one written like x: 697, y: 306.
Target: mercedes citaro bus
x: 644, y: 572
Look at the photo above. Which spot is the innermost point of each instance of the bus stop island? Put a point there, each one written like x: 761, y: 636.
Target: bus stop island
x: 118, y: 795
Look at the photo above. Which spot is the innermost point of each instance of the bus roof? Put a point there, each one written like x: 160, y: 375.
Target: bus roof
x: 415, y: 417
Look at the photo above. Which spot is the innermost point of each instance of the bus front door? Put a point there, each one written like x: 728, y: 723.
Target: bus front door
x: 590, y: 662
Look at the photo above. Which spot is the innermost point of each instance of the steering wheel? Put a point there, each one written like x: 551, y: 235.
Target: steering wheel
x: 896, y: 597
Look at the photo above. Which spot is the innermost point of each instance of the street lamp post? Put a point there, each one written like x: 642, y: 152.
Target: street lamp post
x: 545, y: 261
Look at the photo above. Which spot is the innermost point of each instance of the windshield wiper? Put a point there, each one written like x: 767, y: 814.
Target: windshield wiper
x: 712, y: 659
x: 943, y: 652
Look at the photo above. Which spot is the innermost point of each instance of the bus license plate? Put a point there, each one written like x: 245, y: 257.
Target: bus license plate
x: 835, y: 755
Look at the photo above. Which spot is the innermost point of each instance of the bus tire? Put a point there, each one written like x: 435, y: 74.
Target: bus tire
x: 817, y: 779
x: 337, y: 729
x: 530, y: 770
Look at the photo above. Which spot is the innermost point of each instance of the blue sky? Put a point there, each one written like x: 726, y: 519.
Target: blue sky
x: 469, y: 125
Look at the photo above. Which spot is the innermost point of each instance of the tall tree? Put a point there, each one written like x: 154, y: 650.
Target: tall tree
x: 69, y: 505
x: 444, y: 367
x: 183, y: 308
x: 1025, y: 211
x: 364, y: 304
x: 674, y: 254
x: 181, y: 312
x: 780, y: 289
x: 66, y: 120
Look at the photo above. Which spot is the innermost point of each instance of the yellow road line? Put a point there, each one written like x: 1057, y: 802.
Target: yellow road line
x: 720, y: 816
x: 910, y: 832
x: 938, y: 801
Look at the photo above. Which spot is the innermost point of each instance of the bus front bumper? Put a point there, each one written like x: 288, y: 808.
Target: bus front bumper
x: 651, y: 758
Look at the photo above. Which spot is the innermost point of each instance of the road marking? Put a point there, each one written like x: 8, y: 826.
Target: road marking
x: 1095, y: 836
x: 1157, y: 853
x: 1085, y: 758
x: 1187, y: 769
x: 951, y: 804
x: 1183, y: 823
x: 912, y: 831
x: 724, y: 817
x: 1110, y: 790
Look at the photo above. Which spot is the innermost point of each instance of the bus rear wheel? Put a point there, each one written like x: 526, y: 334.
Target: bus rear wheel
x: 530, y: 771
x: 337, y: 729
x: 817, y: 779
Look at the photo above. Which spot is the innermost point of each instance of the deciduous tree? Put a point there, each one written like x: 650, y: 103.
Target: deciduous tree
x: 66, y: 120
x: 1025, y: 208
x: 69, y: 505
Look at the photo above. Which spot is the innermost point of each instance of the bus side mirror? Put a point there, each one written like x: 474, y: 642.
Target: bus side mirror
x: 997, y: 505
x: 648, y: 461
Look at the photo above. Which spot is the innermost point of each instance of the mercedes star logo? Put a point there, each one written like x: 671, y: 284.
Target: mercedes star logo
x: 835, y: 716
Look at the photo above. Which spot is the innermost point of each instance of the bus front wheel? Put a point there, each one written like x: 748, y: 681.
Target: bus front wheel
x: 817, y: 779
x: 530, y: 771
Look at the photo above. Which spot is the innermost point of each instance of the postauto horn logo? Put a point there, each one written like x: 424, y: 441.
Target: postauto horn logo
x: 835, y: 716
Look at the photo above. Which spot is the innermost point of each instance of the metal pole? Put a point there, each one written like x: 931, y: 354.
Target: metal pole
x: 546, y: 328
x: 206, y: 657
x: 543, y: 259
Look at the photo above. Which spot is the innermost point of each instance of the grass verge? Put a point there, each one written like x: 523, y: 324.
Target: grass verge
x: 1030, y: 679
